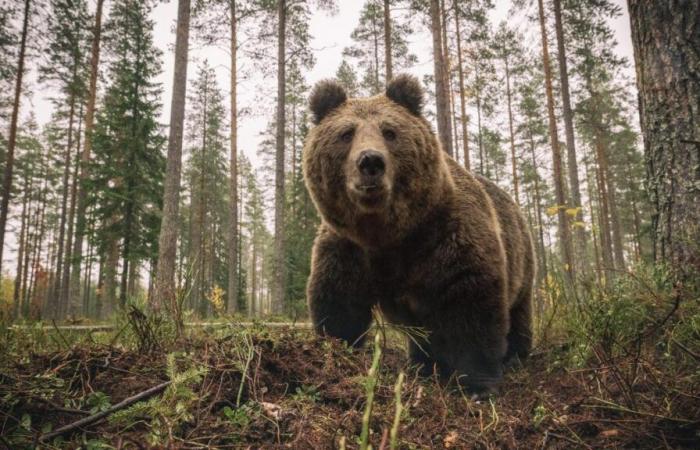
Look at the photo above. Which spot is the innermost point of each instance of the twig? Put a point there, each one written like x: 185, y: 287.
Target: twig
x: 615, y: 407
x: 561, y: 436
x: 686, y: 349
x: 101, y: 415
x: 55, y: 327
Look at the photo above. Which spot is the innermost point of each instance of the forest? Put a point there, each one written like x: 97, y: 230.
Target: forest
x: 156, y: 229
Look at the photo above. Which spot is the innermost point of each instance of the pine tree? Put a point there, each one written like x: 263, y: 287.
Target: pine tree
x: 347, y: 77
x: 205, y: 172
x: 64, y: 67
x: 370, y: 51
x: 508, y: 50
x: 565, y: 245
x: 571, y: 161
x: 81, y: 212
x: 441, y: 77
x: 127, y: 170
x: 167, y: 242
x: 12, y: 134
x: 598, y: 102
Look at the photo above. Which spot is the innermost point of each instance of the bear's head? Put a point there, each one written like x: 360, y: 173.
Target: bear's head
x: 374, y: 166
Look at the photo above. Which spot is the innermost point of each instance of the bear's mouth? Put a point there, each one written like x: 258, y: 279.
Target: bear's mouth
x: 370, y: 195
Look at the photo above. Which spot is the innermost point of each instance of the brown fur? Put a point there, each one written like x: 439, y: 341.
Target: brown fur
x: 438, y: 248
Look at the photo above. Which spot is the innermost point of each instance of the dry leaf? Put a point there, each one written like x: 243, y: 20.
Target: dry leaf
x: 451, y: 439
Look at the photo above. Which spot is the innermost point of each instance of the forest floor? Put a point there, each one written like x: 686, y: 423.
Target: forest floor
x: 307, y: 393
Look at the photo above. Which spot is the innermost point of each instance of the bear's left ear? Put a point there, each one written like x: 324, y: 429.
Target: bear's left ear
x: 406, y: 91
x: 325, y: 97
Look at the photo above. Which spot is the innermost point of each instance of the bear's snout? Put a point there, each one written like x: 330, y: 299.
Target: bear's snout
x: 371, y: 164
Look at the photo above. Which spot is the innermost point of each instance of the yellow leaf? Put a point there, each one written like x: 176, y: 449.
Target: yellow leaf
x: 573, y: 212
x: 552, y: 210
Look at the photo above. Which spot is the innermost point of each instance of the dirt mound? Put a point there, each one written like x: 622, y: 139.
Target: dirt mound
x: 302, y: 392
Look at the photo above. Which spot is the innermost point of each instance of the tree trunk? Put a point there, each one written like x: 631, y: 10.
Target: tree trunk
x: 440, y: 73
x: 665, y: 37
x: 280, y: 269
x: 22, y: 248
x: 538, y: 209
x: 606, y: 242
x: 565, y: 246
x: 463, y: 103
x: 73, y: 308
x: 12, y: 136
x: 167, y: 240
x: 596, y: 247
x: 516, y: 194
x: 85, y: 158
x: 109, y: 296
x: 232, y: 303
x: 571, y: 162
x: 387, y: 42
x: 56, y: 290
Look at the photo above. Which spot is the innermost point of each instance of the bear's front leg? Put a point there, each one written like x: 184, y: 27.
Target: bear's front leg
x: 468, y: 331
x: 337, y: 291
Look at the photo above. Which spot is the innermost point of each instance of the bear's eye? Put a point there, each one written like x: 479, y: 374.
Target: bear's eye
x: 389, y: 135
x: 347, y: 136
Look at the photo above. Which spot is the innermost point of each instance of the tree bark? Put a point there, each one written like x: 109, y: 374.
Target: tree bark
x: 22, y: 247
x: 60, y: 306
x: 167, y: 240
x: 80, y: 223
x: 73, y: 309
x: 571, y: 162
x: 463, y: 103
x: 665, y: 36
x: 565, y: 246
x: 12, y: 135
x: 387, y: 42
x: 232, y: 304
x: 440, y: 73
x: 516, y: 194
x: 279, y: 263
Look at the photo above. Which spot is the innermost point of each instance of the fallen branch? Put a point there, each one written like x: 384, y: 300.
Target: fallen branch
x: 102, y: 414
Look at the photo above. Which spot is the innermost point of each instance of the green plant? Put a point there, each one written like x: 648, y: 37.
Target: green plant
x: 306, y: 393
x: 170, y: 411
x: 239, y: 417
x: 370, y: 385
x: 98, y: 401
x: 394, y: 434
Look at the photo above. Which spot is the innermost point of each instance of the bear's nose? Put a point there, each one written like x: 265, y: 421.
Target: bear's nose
x: 371, y: 163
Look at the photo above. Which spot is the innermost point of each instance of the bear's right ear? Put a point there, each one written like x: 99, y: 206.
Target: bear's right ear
x: 406, y: 91
x: 325, y: 97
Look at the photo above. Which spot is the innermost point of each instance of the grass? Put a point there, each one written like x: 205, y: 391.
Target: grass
x: 613, y: 368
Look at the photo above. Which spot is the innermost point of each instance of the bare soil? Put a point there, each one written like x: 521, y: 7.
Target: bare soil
x: 306, y: 393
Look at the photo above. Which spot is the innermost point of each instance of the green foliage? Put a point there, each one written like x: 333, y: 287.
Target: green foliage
x: 207, y: 182
x: 641, y: 310
x: 98, y: 402
x: 164, y: 416
x: 368, y: 49
x: 240, y: 417
x: 306, y: 394
x: 126, y: 173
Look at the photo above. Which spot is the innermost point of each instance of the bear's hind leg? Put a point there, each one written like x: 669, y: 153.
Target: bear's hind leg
x: 520, y: 334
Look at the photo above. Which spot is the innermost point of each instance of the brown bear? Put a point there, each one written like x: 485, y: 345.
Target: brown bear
x: 406, y: 228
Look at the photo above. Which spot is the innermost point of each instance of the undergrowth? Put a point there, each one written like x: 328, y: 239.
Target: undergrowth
x: 615, y: 366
